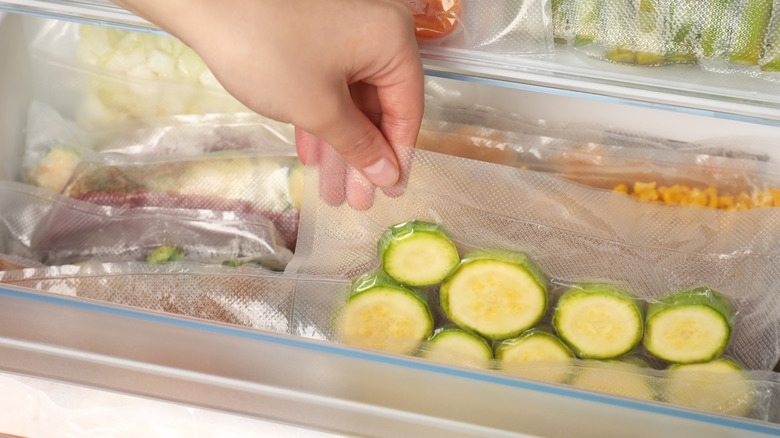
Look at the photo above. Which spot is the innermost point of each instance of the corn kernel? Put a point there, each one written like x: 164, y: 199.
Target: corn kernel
x: 763, y: 199
x: 698, y: 197
x: 775, y: 197
x: 744, y: 202
x: 712, y: 192
x: 726, y: 202
x: 622, y: 188
x: 672, y: 194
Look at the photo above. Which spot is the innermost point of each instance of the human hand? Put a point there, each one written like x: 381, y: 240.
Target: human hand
x: 346, y: 73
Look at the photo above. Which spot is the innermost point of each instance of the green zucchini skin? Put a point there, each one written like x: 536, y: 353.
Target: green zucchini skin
x: 704, y: 299
x: 515, y: 260
x: 406, y: 266
x: 598, y: 336
x: 379, y: 284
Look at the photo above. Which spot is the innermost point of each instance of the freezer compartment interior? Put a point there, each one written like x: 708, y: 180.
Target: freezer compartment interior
x: 502, y: 46
x: 343, y: 371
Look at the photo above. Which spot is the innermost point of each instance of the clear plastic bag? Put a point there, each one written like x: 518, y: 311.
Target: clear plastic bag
x: 219, y: 162
x: 53, y: 229
x: 720, y: 36
x: 574, y: 233
x: 495, y: 31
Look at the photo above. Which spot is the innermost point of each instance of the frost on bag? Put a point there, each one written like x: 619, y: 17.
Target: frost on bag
x: 52, y: 229
x: 98, y: 75
x: 570, y: 241
x: 496, y: 30
x: 228, y: 163
x: 740, y: 36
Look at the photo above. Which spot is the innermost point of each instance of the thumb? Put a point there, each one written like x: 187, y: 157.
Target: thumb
x: 361, y: 143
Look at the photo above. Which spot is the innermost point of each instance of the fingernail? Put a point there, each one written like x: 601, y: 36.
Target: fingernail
x: 382, y: 173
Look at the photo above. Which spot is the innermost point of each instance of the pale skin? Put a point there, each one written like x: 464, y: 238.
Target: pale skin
x: 346, y: 73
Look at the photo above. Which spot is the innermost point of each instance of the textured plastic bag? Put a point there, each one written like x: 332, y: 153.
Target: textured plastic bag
x: 228, y: 162
x: 574, y: 233
x: 721, y: 36
x: 53, y: 229
x: 733, y: 173
x: 497, y: 31
x: 97, y: 75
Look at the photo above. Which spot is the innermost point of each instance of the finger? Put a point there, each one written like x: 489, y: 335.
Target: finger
x: 333, y: 171
x: 303, y: 141
x: 360, y: 142
x: 405, y: 155
x: 359, y: 190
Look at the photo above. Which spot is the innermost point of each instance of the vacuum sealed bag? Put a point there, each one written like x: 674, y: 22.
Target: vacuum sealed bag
x: 472, y: 29
x: 533, y: 274
x: 97, y: 75
x: 53, y: 229
x: 722, y: 36
x: 228, y: 163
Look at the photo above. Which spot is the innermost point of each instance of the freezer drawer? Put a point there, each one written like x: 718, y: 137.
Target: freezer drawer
x: 319, y: 385
x: 332, y: 387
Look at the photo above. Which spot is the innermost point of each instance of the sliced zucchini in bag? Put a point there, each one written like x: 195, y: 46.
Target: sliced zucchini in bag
x: 536, y: 353
x: 385, y: 315
x: 497, y: 294
x: 718, y: 386
x: 459, y: 347
x: 417, y: 253
x: 620, y: 376
x: 598, y: 321
x: 690, y: 326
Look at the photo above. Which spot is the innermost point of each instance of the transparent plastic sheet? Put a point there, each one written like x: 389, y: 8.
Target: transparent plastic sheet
x: 494, y: 31
x: 220, y: 162
x: 98, y: 75
x: 574, y: 233
x: 54, y: 229
x: 736, y: 173
x: 721, y: 36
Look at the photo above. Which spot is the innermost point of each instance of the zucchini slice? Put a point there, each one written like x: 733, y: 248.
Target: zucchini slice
x: 718, y: 386
x: 459, y: 347
x: 690, y: 326
x: 417, y: 253
x: 497, y: 294
x: 598, y: 321
x: 384, y: 315
x: 620, y: 376
x: 536, y: 353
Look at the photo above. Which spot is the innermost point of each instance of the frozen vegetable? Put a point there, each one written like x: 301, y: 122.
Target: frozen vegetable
x: 497, y: 294
x: 718, y: 386
x: 747, y: 45
x: 706, y: 197
x: 458, y: 346
x: 385, y: 315
x: 598, y: 321
x: 417, y: 253
x: 165, y: 254
x: 535, y: 353
x: 689, y: 326
x: 620, y: 376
